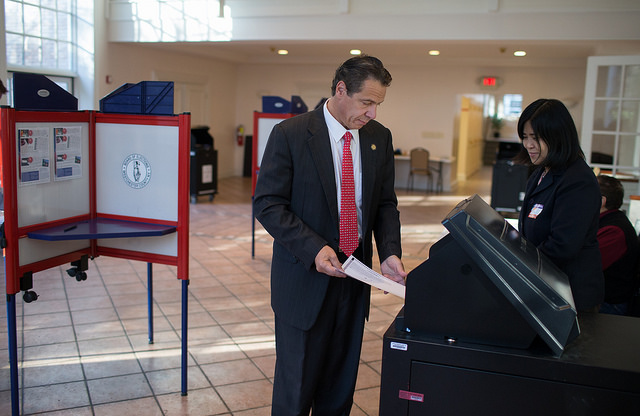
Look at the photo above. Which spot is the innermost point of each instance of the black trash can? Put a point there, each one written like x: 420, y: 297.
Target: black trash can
x: 204, y: 164
x: 508, y: 186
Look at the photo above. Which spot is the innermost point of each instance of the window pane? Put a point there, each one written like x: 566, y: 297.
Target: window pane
x: 49, y: 53
x: 609, y: 80
x: 64, y: 6
x: 64, y: 27
x: 48, y: 23
x: 605, y: 115
x: 64, y: 56
x: 32, y: 21
x: 629, y: 117
x: 629, y: 151
x: 15, y: 49
x: 632, y: 81
x: 602, y: 148
x: 512, y: 105
x: 14, y: 23
x: 32, y: 48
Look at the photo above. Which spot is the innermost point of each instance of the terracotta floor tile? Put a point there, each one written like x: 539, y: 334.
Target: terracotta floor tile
x: 244, y: 396
x: 109, y: 365
x: 216, y: 352
x: 51, y: 371
x: 104, y: 346
x: 54, y: 397
x: 231, y: 372
x: 201, y: 402
x: 142, y: 407
x: 170, y: 381
x: 46, y: 336
x: 113, y: 389
x: 161, y: 359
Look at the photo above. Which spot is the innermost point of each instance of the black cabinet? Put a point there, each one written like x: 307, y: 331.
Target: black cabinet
x: 598, y: 374
x: 204, y: 165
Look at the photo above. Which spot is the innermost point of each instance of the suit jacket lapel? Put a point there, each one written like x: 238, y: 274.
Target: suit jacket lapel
x: 320, y: 149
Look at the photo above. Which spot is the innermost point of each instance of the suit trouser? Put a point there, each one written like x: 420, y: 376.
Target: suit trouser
x: 317, y: 369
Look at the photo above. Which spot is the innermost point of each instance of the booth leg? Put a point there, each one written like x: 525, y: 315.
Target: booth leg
x: 253, y: 231
x: 150, y: 299
x: 13, y: 353
x: 185, y: 296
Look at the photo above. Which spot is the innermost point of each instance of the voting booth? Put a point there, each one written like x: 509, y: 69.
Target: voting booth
x: 489, y: 326
x: 263, y: 123
x: 82, y: 184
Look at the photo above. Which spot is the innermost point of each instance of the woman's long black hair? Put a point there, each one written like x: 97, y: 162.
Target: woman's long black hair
x: 552, y: 123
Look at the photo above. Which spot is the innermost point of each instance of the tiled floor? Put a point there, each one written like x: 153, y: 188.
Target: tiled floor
x: 83, y: 346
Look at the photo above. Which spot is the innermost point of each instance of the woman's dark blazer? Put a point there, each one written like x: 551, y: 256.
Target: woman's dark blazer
x: 566, y: 228
x: 296, y: 202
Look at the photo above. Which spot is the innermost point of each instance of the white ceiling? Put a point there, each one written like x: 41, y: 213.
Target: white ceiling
x: 408, y: 52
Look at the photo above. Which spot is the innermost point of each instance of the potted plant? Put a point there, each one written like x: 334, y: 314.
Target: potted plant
x: 496, y: 125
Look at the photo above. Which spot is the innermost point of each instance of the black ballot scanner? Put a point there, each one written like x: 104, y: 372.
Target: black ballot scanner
x: 489, y: 327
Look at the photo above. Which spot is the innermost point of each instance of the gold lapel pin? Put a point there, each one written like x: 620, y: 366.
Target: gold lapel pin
x: 373, y: 147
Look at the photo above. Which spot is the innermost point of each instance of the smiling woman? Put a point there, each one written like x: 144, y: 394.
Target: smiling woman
x: 562, y: 201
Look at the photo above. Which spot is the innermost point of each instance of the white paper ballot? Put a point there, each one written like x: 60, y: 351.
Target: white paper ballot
x: 356, y: 269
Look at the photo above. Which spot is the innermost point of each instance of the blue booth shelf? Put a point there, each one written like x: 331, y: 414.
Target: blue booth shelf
x: 101, y: 228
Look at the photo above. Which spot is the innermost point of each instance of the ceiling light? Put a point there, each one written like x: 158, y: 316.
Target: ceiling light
x: 434, y: 52
x: 283, y: 52
x: 355, y: 52
x: 519, y: 53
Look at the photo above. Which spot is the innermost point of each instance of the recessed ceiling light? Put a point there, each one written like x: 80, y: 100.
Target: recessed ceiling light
x: 355, y: 52
x: 283, y: 52
x: 434, y: 52
x: 519, y: 53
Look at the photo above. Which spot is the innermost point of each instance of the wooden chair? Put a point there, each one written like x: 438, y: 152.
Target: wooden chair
x: 419, y: 164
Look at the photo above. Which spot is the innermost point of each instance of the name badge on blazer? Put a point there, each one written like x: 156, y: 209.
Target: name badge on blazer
x: 535, y: 211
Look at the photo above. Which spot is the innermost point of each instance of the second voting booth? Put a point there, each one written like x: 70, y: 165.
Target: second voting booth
x: 83, y: 184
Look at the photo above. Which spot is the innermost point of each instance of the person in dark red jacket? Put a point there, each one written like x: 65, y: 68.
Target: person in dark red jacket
x: 618, y: 247
x: 562, y: 201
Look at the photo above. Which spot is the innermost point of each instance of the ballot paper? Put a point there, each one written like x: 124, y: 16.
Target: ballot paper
x: 357, y: 270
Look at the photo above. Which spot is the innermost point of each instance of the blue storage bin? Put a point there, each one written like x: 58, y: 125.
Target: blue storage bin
x: 146, y: 97
x: 297, y: 105
x: 275, y: 104
x: 278, y: 105
x: 37, y: 92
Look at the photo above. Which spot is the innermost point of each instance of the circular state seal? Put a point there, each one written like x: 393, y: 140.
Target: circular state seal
x: 136, y: 171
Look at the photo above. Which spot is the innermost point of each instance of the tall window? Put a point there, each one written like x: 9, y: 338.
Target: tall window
x: 611, y: 118
x: 40, y: 34
x: 54, y: 38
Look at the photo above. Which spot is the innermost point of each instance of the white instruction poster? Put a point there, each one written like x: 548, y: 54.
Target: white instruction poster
x: 33, y: 154
x: 67, y: 142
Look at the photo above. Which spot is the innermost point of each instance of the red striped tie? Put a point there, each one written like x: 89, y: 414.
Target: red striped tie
x: 348, y: 213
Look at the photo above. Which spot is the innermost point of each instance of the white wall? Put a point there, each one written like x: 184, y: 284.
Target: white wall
x: 132, y: 63
x: 420, y: 106
x: 421, y: 103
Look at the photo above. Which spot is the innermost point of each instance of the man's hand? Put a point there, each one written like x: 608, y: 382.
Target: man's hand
x: 327, y: 262
x: 393, y: 269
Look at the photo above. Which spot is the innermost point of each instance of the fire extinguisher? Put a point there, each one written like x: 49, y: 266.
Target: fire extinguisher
x: 240, y: 135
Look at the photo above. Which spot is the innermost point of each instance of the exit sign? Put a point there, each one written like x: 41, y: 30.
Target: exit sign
x: 489, y: 82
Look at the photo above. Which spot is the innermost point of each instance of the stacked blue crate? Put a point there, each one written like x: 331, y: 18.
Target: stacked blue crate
x: 146, y: 97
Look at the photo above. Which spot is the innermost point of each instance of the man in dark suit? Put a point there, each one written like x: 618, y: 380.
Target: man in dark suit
x: 319, y: 311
